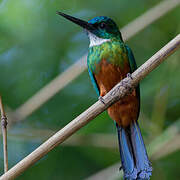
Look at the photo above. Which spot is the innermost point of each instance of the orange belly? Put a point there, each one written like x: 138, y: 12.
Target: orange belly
x: 125, y: 110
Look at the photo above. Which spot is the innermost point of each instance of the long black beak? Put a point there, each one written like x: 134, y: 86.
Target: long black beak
x: 77, y: 21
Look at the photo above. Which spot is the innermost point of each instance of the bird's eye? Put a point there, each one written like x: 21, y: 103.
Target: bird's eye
x: 102, y: 25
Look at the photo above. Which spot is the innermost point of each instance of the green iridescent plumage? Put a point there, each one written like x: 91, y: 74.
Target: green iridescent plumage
x: 109, y: 31
x: 114, y: 52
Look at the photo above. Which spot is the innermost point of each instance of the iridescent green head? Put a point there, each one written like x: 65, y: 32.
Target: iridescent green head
x: 105, y: 27
x: 100, y: 29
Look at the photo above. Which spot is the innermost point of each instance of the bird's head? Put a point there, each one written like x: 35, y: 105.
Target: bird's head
x: 99, y: 29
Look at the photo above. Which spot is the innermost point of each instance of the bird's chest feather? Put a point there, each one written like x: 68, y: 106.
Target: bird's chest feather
x: 109, y: 64
x: 108, y: 75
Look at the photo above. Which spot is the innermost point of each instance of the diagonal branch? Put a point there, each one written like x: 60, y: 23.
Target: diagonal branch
x: 62, y: 80
x: 118, y: 92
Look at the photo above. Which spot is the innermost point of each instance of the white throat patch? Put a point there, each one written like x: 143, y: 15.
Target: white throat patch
x: 95, y: 41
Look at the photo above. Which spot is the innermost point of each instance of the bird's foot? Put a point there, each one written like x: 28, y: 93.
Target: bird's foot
x: 126, y: 83
x: 129, y: 76
x: 101, y: 99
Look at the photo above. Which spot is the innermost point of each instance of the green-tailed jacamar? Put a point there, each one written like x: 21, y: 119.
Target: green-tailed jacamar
x: 109, y: 61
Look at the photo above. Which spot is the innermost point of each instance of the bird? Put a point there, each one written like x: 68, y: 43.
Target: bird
x: 109, y: 61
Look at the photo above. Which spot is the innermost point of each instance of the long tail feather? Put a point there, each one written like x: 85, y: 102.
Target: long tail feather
x: 127, y: 159
x: 135, y: 162
x: 142, y: 162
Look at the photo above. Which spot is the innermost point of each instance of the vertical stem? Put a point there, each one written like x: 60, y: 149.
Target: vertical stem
x: 4, y: 133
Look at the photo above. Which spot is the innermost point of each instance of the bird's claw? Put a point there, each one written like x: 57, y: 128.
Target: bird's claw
x: 101, y: 99
x: 126, y: 84
x: 129, y: 76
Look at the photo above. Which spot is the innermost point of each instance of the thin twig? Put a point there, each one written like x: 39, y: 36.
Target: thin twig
x: 4, y: 134
x: 118, y: 92
x: 163, y: 145
x: 62, y: 80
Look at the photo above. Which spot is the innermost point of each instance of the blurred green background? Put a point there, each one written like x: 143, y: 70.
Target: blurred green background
x: 36, y: 45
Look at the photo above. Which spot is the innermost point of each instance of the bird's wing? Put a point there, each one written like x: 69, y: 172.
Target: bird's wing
x: 133, y: 67
x: 94, y: 82
x: 132, y: 61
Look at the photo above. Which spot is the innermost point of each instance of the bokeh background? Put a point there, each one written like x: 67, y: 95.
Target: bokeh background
x: 36, y: 45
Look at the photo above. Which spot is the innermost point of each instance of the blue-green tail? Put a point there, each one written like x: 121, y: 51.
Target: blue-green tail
x: 135, y: 162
